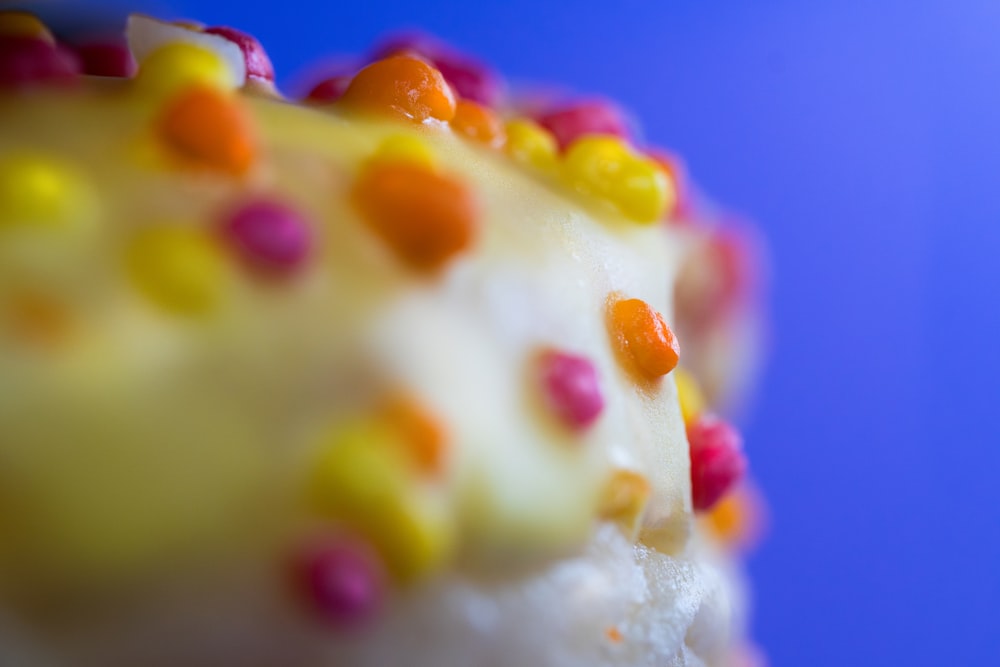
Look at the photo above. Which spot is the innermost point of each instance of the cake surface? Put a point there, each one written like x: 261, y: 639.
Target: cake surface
x: 391, y: 371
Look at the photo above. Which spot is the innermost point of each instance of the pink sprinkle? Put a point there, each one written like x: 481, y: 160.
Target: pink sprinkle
x: 572, y: 388
x: 343, y: 579
x: 717, y: 461
x: 269, y: 236
x: 567, y: 124
x: 106, y: 58
x: 258, y: 64
x: 27, y: 60
x: 329, y: 90
x: 718, y: 276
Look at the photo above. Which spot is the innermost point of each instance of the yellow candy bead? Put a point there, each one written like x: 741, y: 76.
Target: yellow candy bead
x: 361, y: 479
x: 181, y: 64
x: 23, y: 24
x: 641, y: 190
x: 38, y: 191
x: 177, y: 267
x: 689, y: 393
x: 603, y: 166
x: 404, y: 148
x: 530, y: 143
x: 624, y: 500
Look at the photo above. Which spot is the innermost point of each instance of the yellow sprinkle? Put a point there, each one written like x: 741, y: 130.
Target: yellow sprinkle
x: 530, y: 143
x: 605, y: 167
x: 361, y: 479
x: 38, y: 191
x: 690, y: 396
x: 404, y: 148
x: 23, y: 24
x: 624, y: 499
x: 180, y: 64
x: 177, y: 267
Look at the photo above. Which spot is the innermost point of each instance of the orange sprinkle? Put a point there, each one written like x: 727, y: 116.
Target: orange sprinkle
x: 424, y: 437
x: 38, y: 318
x: 209, y: 128
x: 736, y: 519
x: 424, y: 217
x: 613, y: 634
x: 642, y: 336
x: 403, y: 86
x: 478, y: 123
x: 624, y: 498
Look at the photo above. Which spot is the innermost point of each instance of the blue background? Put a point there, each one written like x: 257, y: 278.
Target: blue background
x: 863, y: 137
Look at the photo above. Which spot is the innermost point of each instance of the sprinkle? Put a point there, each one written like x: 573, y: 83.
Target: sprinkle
x: 258, y: 64
x: 716, y: 277
x: 605, y: 167
x: 624, y: 500
x: 177, y: 267
x: 404, y: 148
x: 26, y: 61
x: 642, y: 336
x: 24, y: 24
x: 424, y: 217
x: 209, y: 128
x: 478, y: 123
x: 596, y: 117
x: 343, y: 579
x: 530, y: 143
x: 613, y: 634
x: 38, y: 317
x: 736, y: 520
x: 179, y: 65
x: 401, y: 86
x: 571, y: 388
x: 39, y: 191
x: 360, y: 479
x: 109, y: 58
x: 716, y: 460
x: 470, y: 79
x: 673, y: 168
x: 269, y: 236
x: 329, y: 90
x: 423, y: 438
x: 689, y: 393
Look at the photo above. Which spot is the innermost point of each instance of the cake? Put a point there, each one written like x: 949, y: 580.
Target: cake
x: 407, y: 371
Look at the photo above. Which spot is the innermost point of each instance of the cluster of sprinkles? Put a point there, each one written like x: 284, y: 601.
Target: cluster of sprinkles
x: 372, y: 480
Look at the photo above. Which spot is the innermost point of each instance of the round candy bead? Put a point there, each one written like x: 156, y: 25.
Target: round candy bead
x: 640, y: 190
x: 716, y: 460
x: 596, y: 117
x: 40, y: 191
x: 424, y: 217
x: 343, y: 579
x: 25, y: 61
x: 643, y: 337
x: 209, y: 128
x: 269, y: 236
x: 479, y: 123
x: 689, y: 394
x: 181, y: 64
x: 402, y: 86
x: 530, y: 143
x: 177, y: 267
x: 329, y: 90
x: 108, y: 58
x: 258, y: 63
x: 404, y: 148
x: 571, y: 388
x: 624, y: 499
x: 422, y: 437
x: 24, y: 24
x: 717, y: 276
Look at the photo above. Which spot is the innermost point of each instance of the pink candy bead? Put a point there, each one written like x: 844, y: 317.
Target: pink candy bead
x: 567, y: 124
x: 572, y: 388
x: 344, y: 581
x: 717, y: 461
x: 329, y: 90
x: 110, y: 58
x: 258, y: 64
x: 28, y: 60
x: 269, y: 236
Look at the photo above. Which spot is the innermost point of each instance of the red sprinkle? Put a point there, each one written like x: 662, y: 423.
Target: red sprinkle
x: 30, y: 60
x: 106, y: 58
x: 567, y: 124
x: 470, y: 79
x: 329, y: 90
x: 716, y: 277
x: 572, y: 388
x: 717, y: 461
x: 343, y: 579
x: 258, y: 64
x: 270, y: 237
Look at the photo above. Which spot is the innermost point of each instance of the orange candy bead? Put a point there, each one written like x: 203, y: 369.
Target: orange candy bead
x: 478, y: 123
x: 421, y: 434
x: 209, y: 128
x: 403, y: 86
x: 424, y: 217
x: 642, y: 336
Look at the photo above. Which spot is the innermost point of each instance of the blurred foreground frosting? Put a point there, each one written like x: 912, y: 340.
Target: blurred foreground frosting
x: 409, y: 371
